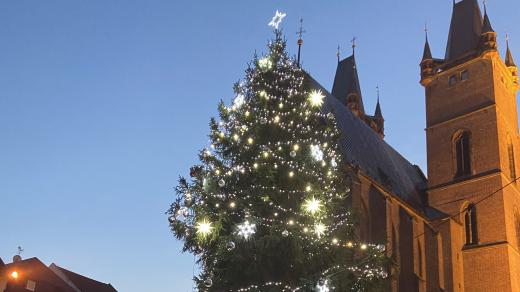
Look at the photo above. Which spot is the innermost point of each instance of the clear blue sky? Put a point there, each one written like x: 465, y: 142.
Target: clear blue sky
x: 104, y: 103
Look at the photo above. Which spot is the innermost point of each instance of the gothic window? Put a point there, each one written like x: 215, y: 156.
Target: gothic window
x: 462, y: 154
x: 511, y: 156
x: 470, y: 224
x: 464, y: 75
x: 453, y: 80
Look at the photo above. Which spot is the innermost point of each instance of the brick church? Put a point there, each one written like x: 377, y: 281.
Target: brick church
x: 458, y: 229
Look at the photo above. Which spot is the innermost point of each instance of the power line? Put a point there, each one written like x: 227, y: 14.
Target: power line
x: 465, y: 209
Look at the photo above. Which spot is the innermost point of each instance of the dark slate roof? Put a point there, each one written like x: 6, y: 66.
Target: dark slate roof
x: 509, y: 57
x: 85, y: 284
x: 33, y: 269
x: 364, y: 148
x: 346, y: 81
x: 465, y: 29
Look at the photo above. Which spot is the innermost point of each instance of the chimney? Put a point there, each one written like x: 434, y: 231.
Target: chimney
x: 17, y: 258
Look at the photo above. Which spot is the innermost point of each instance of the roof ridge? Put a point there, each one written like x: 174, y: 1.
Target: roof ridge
x: 76, y: 274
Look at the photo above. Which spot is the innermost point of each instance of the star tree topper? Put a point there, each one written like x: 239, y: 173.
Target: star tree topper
x: 277, y: 19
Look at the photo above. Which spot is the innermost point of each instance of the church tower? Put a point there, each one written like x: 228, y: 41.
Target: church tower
x: 472, y: 146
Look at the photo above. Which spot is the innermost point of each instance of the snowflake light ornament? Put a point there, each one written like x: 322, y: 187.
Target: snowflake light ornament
x: 316, y: 152
x: 238, y: 102
x: 320, y: 229
x: 246, y: 229
x: 277, y: 19
x: 323, y: 286
x: 265, y: 64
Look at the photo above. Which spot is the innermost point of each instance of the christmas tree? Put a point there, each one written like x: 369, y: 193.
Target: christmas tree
x: 267, y: 208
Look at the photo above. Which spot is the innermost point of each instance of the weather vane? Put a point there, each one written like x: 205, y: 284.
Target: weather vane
x: 20, y: 250
x: 338, y: 53
x: 277, y: 19
x: 353, y: 41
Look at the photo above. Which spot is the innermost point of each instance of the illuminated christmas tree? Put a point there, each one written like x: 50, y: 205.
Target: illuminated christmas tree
x: 267, y: 208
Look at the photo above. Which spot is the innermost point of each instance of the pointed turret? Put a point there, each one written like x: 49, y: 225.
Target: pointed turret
x: 509, y: 57
x: 427, y: 62
x: 488, y: 39
x: 427, y: 54
x: 346, y: 85
x: 377, y: 121
x: 378, y: 113
x: 510, y: 63
x: 486, y: 27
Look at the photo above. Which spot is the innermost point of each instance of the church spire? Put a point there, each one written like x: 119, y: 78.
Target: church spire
x: 378, y: 114
x: 427, y: 54
x: 488, y: 38
x: 509, y: 57
x: 486, y: 27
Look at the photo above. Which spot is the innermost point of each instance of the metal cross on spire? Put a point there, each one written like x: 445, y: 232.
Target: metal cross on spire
x: 338, y: 53
x: 300, y: 40
x: 353, y: 41
x: 301, y: 31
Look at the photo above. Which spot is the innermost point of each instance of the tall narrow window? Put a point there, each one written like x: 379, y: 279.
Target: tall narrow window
x: 470, y: 224
x: 511, y: 156
x: 517, y: 227
x: 462, y: 154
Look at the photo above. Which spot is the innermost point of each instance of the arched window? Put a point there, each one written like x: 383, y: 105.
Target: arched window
x: 470, y: 224
x: 462, y: 154
x: 511, y: 156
